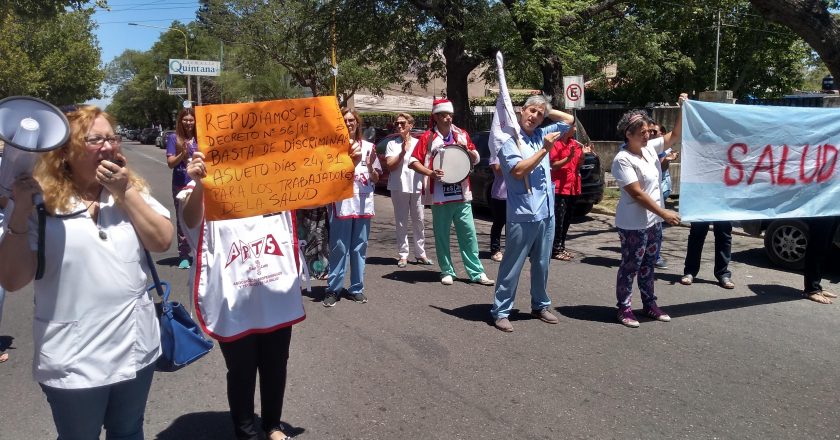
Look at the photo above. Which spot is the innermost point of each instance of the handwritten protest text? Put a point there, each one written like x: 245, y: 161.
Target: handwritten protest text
x: 815, y: 164
x: 273, y: 156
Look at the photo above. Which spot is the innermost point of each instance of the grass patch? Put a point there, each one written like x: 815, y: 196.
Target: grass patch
x: 610, y: 201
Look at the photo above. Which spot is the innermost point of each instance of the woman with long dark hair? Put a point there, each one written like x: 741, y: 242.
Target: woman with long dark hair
x: 180, y: 147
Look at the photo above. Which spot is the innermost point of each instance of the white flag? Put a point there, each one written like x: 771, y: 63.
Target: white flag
x: 504, y: 126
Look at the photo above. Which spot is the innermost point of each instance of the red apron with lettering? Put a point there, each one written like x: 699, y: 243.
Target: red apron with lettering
x: 247, y: 277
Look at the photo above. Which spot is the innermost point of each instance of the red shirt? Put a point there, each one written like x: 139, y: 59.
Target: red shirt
x: 566, y: 179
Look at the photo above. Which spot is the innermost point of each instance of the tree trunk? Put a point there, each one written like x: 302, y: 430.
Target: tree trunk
x: 812, y: 21
x: 552, y: 72
x: 458, y: 70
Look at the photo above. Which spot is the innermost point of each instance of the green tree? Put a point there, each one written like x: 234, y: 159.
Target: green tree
x: 816, y: 21
x: 54, y: 58
x: 295, y: 35
x: 45, y: 8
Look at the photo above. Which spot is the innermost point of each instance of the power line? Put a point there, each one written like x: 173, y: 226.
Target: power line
x: 144, y: 21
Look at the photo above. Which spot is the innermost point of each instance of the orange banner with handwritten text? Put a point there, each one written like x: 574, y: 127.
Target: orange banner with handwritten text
x: 272, y: 156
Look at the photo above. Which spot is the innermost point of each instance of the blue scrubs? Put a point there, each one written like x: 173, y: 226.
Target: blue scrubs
x: 530, y: 223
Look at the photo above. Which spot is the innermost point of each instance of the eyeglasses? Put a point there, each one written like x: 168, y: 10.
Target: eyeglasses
x: 98, y: 141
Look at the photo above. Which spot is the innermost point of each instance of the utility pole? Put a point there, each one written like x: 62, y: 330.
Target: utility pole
x: 717, y: 51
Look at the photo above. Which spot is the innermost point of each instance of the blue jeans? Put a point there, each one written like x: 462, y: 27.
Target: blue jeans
x: 638, y: 255
x: 348, y: 240
x: 79, y: 414
x: 531, y: 240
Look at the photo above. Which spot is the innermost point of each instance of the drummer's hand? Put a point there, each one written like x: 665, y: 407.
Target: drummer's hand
x: 436, y: 174
x: 475, y: 156
x: 550, y: 139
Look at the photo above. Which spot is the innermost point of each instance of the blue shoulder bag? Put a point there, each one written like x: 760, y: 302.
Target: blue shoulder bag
x: 181, y: 340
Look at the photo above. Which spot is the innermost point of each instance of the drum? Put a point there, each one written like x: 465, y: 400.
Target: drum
x: 455, y: 161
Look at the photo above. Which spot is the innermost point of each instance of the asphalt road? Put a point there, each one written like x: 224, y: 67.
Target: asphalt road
x: 422, y: 360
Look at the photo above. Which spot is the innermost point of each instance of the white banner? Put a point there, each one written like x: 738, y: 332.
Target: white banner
x: 742, y: 162
x: 194, y: 67
x: 178, y: 91
x: 573, y: 92
x: 505, y: 126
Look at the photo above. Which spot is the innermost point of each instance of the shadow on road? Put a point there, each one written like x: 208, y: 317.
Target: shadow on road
x: 764, y: 294
x: 601, y: 261
x: 481, y: 313
x: 207, y: 426
x: 316, y: 295
x: 381, y: 261
x: 169, y: 261
x: 413, y: 276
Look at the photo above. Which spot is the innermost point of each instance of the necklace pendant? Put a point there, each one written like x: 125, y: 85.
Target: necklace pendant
x: 102, y: 235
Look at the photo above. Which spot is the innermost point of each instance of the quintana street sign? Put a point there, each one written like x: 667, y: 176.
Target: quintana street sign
x: 194, y: 67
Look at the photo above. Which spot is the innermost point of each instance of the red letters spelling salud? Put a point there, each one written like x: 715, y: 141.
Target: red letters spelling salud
x: 824, y: 162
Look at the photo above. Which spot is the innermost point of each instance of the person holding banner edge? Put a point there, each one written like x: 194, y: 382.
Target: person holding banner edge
x: 529, y: 230
x: 640, y: 211
x: 252, y: 321
x: 450, y: 202
x: 96, y: 334
x: 350, y: 218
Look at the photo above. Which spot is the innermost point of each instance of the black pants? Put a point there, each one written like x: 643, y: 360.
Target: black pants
x: 820, y: 237
x: 268, y: 354
x: 563, y: 206
x: 499, y: 210
x: 723, y: 248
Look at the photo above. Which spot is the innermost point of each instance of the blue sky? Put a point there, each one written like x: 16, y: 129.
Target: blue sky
x: 115, y: 35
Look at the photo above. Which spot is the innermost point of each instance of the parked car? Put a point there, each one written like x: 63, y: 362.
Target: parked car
x: 591, y: 188
x: 148, y: 136
x: 380, y: 153
x: 785, y: 240
x: 132, y: 134
x: 161, y: 140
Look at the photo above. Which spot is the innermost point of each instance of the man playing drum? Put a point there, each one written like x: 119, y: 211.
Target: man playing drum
x: 450, y: 201
x: 530, y: 209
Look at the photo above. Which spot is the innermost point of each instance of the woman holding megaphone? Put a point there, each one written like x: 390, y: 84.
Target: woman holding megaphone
x: 96, y: 333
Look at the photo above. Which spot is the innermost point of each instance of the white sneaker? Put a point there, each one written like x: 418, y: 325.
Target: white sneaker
x: 446, y: 280
x: 484, y: 281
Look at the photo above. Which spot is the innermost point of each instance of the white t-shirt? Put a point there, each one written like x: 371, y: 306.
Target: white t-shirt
x: 403, y: 179
x: 95, y: 323
x: 628, y: 168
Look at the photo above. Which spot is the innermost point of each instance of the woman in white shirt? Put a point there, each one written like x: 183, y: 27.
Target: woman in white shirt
x: 406, y: 186
x: 96, y: 333
x: 640, y: 211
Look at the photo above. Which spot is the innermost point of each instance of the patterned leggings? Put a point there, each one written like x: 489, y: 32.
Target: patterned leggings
x: 638, y: 255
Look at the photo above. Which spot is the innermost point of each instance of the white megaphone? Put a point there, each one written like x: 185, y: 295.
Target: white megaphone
x: 30, y: 126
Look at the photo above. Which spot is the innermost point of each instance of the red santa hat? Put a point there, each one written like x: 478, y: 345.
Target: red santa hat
x: 442, y: 105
